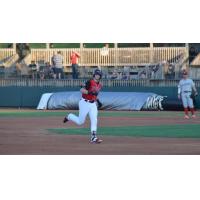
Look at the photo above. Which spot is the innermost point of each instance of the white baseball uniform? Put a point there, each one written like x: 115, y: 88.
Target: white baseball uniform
x: 185, y: 88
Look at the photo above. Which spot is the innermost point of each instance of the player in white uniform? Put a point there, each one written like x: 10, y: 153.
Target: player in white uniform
x: 185, y: 88
x: 88, y: 105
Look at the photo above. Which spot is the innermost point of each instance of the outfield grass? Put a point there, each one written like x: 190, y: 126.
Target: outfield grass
x: 169, y: 131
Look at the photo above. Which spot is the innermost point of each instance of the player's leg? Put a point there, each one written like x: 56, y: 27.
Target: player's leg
x: 191, y: 106
x: 83, y: 111
x: 93, y: 112
x: 185, y: 105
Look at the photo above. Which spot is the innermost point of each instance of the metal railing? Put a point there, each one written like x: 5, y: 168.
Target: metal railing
x: 114, y: 57
x: 78, y: 82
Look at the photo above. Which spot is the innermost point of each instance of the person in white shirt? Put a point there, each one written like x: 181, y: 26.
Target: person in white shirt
x: 105, y: 50
x: 58, y: 64
x: 185, y: 88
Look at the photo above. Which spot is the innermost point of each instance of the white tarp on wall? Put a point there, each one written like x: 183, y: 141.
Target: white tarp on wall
x: 111, y: 101
x: 44, y: 101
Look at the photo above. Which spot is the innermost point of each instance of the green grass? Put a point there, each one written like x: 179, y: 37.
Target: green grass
x: 36, y: 113
x: 170, y: 131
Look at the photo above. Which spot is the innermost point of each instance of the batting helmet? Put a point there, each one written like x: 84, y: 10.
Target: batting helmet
x: 97, y: 72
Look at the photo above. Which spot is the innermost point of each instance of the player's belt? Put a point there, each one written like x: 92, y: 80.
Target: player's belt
x: 90, y: 101
x: 187, y: 91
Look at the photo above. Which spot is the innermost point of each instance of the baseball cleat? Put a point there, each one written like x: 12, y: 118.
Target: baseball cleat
x: 186, y: 117
x: 65, y: 120
x: 193, y: 116
x: 96, y: 140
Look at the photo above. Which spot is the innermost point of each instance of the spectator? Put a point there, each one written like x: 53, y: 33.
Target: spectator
x: 170, y: 72
x: 153, y: 70
x: 119, y: 75
x: 114, y: 75
x: 74, y: 61
x: 126, y: 73
x: 165, y: 66
x: 58, y: 64
x: 124, y: 76
x: 105, y: 50
x: 34, y: 68
x: 46, y: 72
x: 192, y: 54
x: 53, y: 65
x: 142, y: 74
x: 51, y: 46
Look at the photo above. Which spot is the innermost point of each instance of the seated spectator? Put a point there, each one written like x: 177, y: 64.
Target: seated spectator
x: 153, y: 70
x: 114, y: 75
x: 34, y: 69
x: 47, y: 72
x: 125, y: 76
x: 52, y: 73
x: 119, y: 76
x: 142, y: 74
x: 126, y: 72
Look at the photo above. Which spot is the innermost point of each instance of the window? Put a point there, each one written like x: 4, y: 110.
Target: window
x: 37, y: 45
x: 64, y: 45
x: 169, y: 44
x: 6, y: 45
x: 97, y: 45
x: 133, y: 45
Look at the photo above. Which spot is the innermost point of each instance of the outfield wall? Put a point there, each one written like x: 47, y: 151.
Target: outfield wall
x: 30, y: 96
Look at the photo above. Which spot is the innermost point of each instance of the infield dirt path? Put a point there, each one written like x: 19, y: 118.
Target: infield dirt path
x: 27, y: 136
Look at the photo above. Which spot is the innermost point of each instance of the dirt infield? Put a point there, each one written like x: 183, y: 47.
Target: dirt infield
x: 29, y: 135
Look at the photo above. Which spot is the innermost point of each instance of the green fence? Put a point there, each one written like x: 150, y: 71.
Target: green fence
x: 13, y: 96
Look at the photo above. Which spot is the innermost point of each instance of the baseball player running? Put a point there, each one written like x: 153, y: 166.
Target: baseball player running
x: 88, y: 104
x: 185, y: 88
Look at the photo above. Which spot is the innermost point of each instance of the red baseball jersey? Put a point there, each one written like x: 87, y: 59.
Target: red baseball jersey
x: 92, y: 86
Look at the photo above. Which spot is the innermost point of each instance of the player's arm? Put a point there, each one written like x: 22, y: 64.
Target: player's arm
x: 85, y: 87
x: 99, y: 104
x: 84, y: 91
x: 194, y: 88
x: 77, y: 54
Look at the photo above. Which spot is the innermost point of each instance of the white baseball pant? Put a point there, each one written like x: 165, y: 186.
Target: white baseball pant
x: 84, y: 109
x: 187, y: 100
